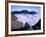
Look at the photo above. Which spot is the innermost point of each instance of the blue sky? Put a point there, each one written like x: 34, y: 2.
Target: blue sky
x: 29, y: 8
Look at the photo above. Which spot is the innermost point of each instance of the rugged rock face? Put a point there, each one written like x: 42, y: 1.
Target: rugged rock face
x: 14, y: 23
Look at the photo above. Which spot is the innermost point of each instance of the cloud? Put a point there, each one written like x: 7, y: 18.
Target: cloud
x: 26, y: 16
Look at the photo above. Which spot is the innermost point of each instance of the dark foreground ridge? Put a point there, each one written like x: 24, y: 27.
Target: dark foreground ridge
x: 27, y: 27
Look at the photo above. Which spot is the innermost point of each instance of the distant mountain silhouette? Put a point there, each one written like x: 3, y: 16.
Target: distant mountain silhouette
x: 15, y: 12
x: 33, y: 12
x: 23, y: 12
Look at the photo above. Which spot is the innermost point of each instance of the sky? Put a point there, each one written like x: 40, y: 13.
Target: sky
x: 29, y: 8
